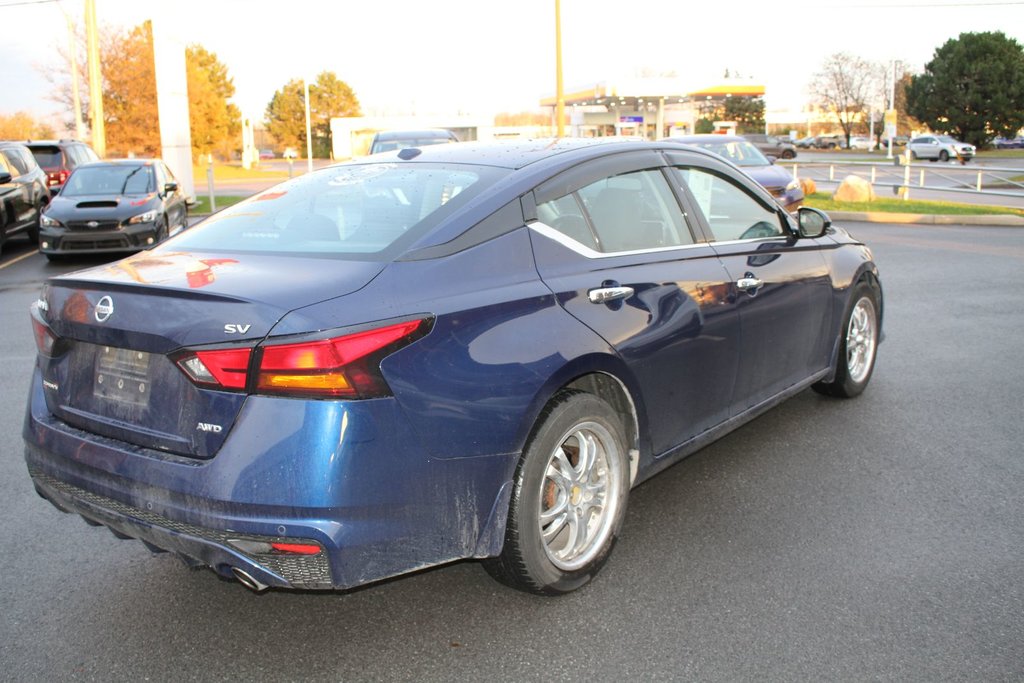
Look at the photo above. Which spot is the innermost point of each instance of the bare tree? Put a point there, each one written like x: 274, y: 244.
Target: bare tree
x: 846, y: 86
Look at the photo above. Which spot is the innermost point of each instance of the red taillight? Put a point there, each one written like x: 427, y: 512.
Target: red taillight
x: 340, y: 367
x: 221, y: 368
x: 44, y: 338
x: 343, y: 367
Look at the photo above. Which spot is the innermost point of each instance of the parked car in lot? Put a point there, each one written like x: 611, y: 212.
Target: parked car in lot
x: 266, y: 154
x: 940, y: 148
x: 862, y: 142
x: 113, y: 206
x: 391, y: 140
x: 805, y: 143
x: 772, y: 145
x: 58, y: 158
x: 469, y: 350
x: 1008, y: 143
x: 23, y: 193
x: 779, y: 182
x: 830, y: 142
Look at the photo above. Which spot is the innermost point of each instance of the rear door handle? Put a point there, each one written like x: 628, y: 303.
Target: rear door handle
x: 603, y: 295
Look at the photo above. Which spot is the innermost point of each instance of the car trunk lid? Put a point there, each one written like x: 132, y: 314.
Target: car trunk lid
x: 122, y: 327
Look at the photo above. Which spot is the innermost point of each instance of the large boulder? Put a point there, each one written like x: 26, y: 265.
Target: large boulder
x: 808, y: 186
x: 854, y: 189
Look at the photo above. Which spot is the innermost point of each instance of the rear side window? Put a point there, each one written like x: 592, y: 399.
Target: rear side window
x: 15, y: 162
x: 359, y: 210
x: 628, y: 212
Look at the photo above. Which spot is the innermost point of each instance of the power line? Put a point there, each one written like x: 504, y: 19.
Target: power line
x: 27, y: 2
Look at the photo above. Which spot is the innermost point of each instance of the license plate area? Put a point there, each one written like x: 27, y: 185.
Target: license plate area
x: 122, y: 375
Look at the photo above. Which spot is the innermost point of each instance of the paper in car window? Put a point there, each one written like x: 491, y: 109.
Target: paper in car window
x: 701, y: 186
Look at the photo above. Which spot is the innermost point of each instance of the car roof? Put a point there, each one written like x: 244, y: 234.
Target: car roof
x: 521, y: 153
x: 419, y: 133
x: 120, y: 162
x: 707, y: 137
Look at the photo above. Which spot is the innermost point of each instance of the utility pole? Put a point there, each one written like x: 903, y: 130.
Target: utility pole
x: 99, y: 136
x: 559, y: 90
x: 309, y: 138
x: 73, y: 61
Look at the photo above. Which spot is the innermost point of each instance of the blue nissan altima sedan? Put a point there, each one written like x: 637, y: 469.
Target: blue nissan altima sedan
x: 460, y: 351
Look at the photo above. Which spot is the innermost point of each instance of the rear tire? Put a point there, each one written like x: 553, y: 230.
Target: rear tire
x: 943, y: 156
x: 857, y: 352
x: 568, y: 500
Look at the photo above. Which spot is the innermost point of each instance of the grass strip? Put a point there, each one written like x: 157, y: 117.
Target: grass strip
x: 824, y: 201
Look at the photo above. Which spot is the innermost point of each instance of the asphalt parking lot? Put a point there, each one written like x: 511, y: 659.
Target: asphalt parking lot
x: 880, y: 538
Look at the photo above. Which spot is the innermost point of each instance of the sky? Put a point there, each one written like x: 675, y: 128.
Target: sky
x: 480, y: 57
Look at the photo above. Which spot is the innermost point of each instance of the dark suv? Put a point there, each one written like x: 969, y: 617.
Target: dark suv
x: 771, y: 145
x: 58, y: 159
x: 22, y: 192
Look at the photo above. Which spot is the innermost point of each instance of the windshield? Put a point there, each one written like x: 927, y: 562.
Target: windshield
x: 92, y: 180
x: 741, y: 153
x: 359, y: 210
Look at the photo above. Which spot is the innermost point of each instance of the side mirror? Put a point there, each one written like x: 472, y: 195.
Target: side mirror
x: 813, y: 223
x: 170, y: 187
x: 5, y: 177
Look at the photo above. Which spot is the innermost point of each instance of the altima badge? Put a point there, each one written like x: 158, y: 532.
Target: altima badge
x: 104, y: 309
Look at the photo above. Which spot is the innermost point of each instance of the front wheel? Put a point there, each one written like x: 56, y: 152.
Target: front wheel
x: 943, y: 156
x: 569, y: 498
x: 856, y: 360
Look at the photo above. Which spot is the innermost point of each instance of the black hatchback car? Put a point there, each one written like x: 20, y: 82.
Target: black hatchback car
x: 113, y: 206
x: 23, y: 192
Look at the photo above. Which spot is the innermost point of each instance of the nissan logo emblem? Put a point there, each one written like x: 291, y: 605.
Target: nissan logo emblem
x: 93, y: 224
x: 104, y: 309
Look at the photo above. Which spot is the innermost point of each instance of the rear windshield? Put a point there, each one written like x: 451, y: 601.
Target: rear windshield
x: 93, y: 180
x: 362, y: 211
x: 47, y: 157
x: 402, y: 143
x: 740, y: 152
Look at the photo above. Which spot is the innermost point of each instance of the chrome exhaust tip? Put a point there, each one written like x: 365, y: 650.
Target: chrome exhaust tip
x: 248, y: 581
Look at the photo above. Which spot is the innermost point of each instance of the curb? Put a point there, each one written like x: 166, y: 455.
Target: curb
x: 927, y: 218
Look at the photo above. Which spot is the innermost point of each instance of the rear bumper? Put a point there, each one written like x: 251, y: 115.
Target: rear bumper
x: 357, y: 486
x: 198, y: 546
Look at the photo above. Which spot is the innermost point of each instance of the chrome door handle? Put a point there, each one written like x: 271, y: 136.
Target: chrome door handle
x: 748, y: 283
x: 605, y: 294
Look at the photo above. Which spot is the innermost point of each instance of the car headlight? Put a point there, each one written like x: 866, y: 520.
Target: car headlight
x: 47, y: 222
x: 794, y: 184
x: 147, y: 217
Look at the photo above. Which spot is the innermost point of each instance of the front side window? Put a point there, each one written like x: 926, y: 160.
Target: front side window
x: 731, y: 213
x: 628, y: 212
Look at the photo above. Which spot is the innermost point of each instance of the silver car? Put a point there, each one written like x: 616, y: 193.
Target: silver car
x: 940, y: 147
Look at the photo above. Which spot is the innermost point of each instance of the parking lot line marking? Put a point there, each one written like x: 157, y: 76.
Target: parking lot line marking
x: 20, y: 258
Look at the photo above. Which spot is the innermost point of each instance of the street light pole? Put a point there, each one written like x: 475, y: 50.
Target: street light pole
x: 559, y: 91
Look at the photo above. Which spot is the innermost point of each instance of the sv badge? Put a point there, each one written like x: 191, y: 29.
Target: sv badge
x: 236, y: 328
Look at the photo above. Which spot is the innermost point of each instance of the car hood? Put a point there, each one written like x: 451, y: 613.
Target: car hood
x: 105, y: 206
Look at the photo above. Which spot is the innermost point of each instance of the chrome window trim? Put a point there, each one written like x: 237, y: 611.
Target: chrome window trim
x: 587, y: 252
